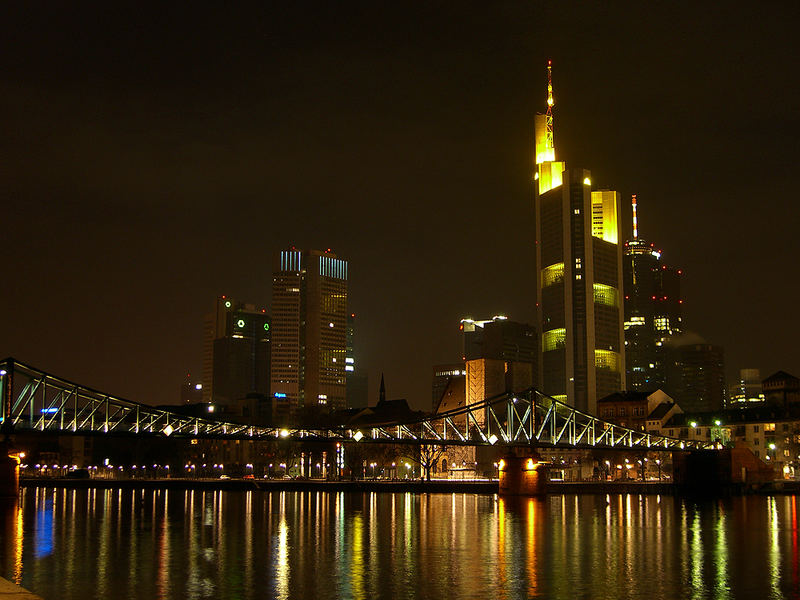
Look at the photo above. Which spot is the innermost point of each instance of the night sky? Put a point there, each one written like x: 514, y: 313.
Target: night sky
x: 152, y: 158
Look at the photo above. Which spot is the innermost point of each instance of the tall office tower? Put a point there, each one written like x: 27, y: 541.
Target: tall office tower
x: 696, y: 377
x: 236, y: 353
x: 578, y: 277
x: 309, y: 330
x: 356, y: 381
x: 501, y: 339
x: 652, y: 310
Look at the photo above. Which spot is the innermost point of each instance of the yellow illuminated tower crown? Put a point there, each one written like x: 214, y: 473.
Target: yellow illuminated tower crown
x: 548, y: 170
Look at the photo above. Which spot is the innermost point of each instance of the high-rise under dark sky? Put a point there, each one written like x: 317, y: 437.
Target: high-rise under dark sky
x: 578, y: 277
x: 153, y: 159
x: 309, y: 333
x: 652, y: 311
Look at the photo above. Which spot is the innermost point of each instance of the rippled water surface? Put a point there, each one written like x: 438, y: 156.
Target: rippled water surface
x: 123, y: 544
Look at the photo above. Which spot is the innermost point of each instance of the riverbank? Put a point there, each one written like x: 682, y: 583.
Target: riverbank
x: 435, y: 486
x: 11, y: 591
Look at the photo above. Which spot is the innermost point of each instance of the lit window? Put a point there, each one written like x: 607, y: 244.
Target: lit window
x: 552, y: 274
x: 554, y: 339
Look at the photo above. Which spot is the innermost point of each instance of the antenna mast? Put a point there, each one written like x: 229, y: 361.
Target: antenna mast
x: 635, y: 220
x: 549, y: 144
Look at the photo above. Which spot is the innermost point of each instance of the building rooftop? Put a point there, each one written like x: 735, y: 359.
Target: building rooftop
x: 754, y: 414
x: 625, y: 396
x: 660, y: 411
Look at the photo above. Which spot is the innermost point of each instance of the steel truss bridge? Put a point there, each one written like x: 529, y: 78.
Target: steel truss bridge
x: 33, y: 400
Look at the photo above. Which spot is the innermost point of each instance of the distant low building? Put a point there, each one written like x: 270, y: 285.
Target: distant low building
x: 747, y: 391
x: 782, y: 389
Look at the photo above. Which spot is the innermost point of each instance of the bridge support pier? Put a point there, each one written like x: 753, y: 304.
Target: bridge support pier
x: 718, y: 472
x: 9, y: 471
x: 522, y: 475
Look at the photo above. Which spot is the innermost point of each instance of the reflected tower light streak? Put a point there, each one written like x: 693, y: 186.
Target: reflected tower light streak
x: 721, y: 558
x: 774, y: 547
x: 532, y: 562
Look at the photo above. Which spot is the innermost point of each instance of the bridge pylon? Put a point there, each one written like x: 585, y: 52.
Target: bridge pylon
x: 9, y: 470
x: 523, y: 473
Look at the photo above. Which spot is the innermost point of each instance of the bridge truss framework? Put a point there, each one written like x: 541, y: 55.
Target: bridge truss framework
x: 33, y: 400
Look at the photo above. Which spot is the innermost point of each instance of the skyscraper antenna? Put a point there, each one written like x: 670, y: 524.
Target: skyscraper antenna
x: 635, y: 220
x: 549, y: 144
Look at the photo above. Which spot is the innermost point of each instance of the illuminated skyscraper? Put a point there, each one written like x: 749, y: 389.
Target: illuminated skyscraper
x: 652, y: 311
x: 236, y: 351
x: 309, y: 330
x: 578, y: 278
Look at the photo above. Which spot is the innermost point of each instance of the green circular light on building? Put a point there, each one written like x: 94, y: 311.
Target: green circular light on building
x: 240, y: 323
x: 228, y: 304
x: 266, y: 326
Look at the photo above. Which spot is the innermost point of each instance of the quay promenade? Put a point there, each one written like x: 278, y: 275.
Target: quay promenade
x: 11, y: 591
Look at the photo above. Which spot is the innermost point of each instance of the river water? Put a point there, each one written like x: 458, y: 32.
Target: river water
x: 165, y: 544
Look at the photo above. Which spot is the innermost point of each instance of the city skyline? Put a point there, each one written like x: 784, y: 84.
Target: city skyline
x: 148, y: 173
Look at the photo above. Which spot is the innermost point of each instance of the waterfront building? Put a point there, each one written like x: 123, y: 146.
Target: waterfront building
x: 652, y: 310
x: 236, y: 351
x: 578, y: 278
x: 771, y: 432
x: 309, y: 331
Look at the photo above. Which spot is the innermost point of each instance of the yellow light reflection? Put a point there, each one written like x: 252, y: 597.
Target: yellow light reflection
x: 721, y: 554
x: 501, y: 545
x: 18, y: 538
x: 773, y: 531
x: 357, y: 558
x: 532, y: 566
x: 696, y: 553
x: 282, y: 566
x: 162, y: 577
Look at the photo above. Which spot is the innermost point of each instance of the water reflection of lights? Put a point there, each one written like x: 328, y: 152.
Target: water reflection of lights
x: 357, y: 557
x: 532, y: 562
x: 774, y: 547
x: 282, y: 561
x: 795, y: 557
x: 722, y: 583
x: 18, y: 539
x: 696, y: 554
